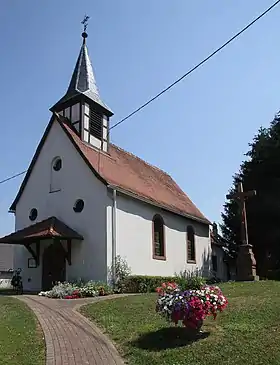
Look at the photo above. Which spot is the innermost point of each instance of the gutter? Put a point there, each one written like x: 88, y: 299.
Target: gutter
x: 114, y: 234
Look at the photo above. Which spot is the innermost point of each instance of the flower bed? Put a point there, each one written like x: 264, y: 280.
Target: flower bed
x: 74, y: 291
x: 189, y: 307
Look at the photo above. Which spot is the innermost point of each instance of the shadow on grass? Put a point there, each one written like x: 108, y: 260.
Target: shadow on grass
x: 167, y: 338
x: 12, y: 292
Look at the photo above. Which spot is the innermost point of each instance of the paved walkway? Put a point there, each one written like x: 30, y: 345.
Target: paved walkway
x: 70, y: 338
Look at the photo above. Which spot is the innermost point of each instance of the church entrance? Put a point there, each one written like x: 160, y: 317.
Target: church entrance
x: 54, y: 266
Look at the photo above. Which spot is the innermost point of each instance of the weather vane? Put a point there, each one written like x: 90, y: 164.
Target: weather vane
x: 85, y: 22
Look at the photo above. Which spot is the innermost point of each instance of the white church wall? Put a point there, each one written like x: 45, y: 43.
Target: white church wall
x: 134, y: 240
x: 221, y: 266
x: 89, y: 260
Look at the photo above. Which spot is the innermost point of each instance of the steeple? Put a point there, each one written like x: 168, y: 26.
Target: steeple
x: 83, y: 80
x: 82, y: 103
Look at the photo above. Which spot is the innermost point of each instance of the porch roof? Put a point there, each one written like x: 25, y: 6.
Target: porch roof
x: 48, y: 228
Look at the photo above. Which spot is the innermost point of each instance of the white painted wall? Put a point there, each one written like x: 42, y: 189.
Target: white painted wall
x: 134, y: 239
x: 6, y: 257
x: 89, y: 257
x: 221, y: 266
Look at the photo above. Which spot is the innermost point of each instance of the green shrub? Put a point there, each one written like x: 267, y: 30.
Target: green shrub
x: 122, y: 271
x: 143, y: 284
x: 148, y: 284
x: 93, y: 288
x: 190, y: 280
x: 77, y: 289
x: 60, y: 290
x: 213, y: 280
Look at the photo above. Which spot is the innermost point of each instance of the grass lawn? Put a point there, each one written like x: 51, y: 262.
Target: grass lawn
x: 21, y: 337
x: 248, y: 332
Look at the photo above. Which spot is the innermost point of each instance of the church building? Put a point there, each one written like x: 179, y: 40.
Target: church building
x: 84, y: 201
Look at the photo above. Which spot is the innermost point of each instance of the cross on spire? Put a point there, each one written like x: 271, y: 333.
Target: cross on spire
x: 82, y: 80
x: 85, y: 24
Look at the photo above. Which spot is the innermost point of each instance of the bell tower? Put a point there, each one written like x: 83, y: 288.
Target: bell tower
x: 82, y: 104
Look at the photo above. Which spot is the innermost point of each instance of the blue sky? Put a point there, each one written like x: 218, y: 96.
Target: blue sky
x: 198, y: 132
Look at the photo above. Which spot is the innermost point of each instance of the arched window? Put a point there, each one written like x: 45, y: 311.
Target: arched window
x: 190, y: 244
x: 158, y: 238
x: 57, y: 164
x: 56, y: 167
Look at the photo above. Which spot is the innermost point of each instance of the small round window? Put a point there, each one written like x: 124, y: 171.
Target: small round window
x: 33, y: 214
x: 79, y: 206
x: 57, y: 164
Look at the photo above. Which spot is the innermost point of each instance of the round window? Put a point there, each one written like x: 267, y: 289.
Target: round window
x: 79, y: 206
x: 33, y: 214
x: 57, y: 164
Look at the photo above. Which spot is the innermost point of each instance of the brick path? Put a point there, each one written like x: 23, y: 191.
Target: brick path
x: 70, y: 338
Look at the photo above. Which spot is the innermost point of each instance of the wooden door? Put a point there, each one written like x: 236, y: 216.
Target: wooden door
x: 54, y: 266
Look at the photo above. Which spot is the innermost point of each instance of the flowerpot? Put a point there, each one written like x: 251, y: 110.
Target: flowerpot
x: 101, y: 292
x: 193, y: 326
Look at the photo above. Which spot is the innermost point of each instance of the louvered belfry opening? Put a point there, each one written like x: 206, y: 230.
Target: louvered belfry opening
x: 95, y: 123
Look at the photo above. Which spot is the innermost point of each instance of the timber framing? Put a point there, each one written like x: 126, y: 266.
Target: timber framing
x: 34, y: 253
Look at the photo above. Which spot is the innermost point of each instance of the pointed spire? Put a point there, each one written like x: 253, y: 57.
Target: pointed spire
x: 83, y: 80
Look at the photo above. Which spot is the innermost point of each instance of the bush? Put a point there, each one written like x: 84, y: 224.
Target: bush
x: 122, y: 271
x: 61, y: 290
x: 74, y: 290
x: 189, y: 280
x: 213, y: 280
x: 149, y: 284
x: 80, y: 282
x: 143, y: 284
x: 94, y: 288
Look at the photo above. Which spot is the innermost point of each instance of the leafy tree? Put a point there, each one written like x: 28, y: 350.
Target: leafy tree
x: 261, y: 172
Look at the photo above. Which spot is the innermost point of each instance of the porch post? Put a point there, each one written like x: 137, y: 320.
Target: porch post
x: 69, y: 251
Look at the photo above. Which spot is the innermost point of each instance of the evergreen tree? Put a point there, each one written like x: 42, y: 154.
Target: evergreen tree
x: 260, y: 172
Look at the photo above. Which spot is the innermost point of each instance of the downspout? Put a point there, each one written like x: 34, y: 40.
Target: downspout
x: 114, y: 234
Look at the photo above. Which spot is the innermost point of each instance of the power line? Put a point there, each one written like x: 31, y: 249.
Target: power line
x: 197, y: 66
x: 12, y: 177
x: 179, y: 79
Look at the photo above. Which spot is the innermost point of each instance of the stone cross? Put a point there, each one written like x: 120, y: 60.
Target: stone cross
x: 241, y: 197
x: 246, y: 263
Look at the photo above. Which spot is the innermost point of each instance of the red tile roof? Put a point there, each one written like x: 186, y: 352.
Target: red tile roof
x: 48, y: 228
x: 130, y: 173
x: 125, y: 172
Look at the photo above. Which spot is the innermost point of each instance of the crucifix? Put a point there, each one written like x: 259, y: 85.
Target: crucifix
x: 246, y: 263
x: 85, y: 24
x: 241, y: 197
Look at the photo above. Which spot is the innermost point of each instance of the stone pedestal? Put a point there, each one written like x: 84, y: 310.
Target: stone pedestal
x: 246, y: 264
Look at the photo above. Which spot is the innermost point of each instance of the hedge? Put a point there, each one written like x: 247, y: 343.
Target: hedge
x: 148, y: 284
